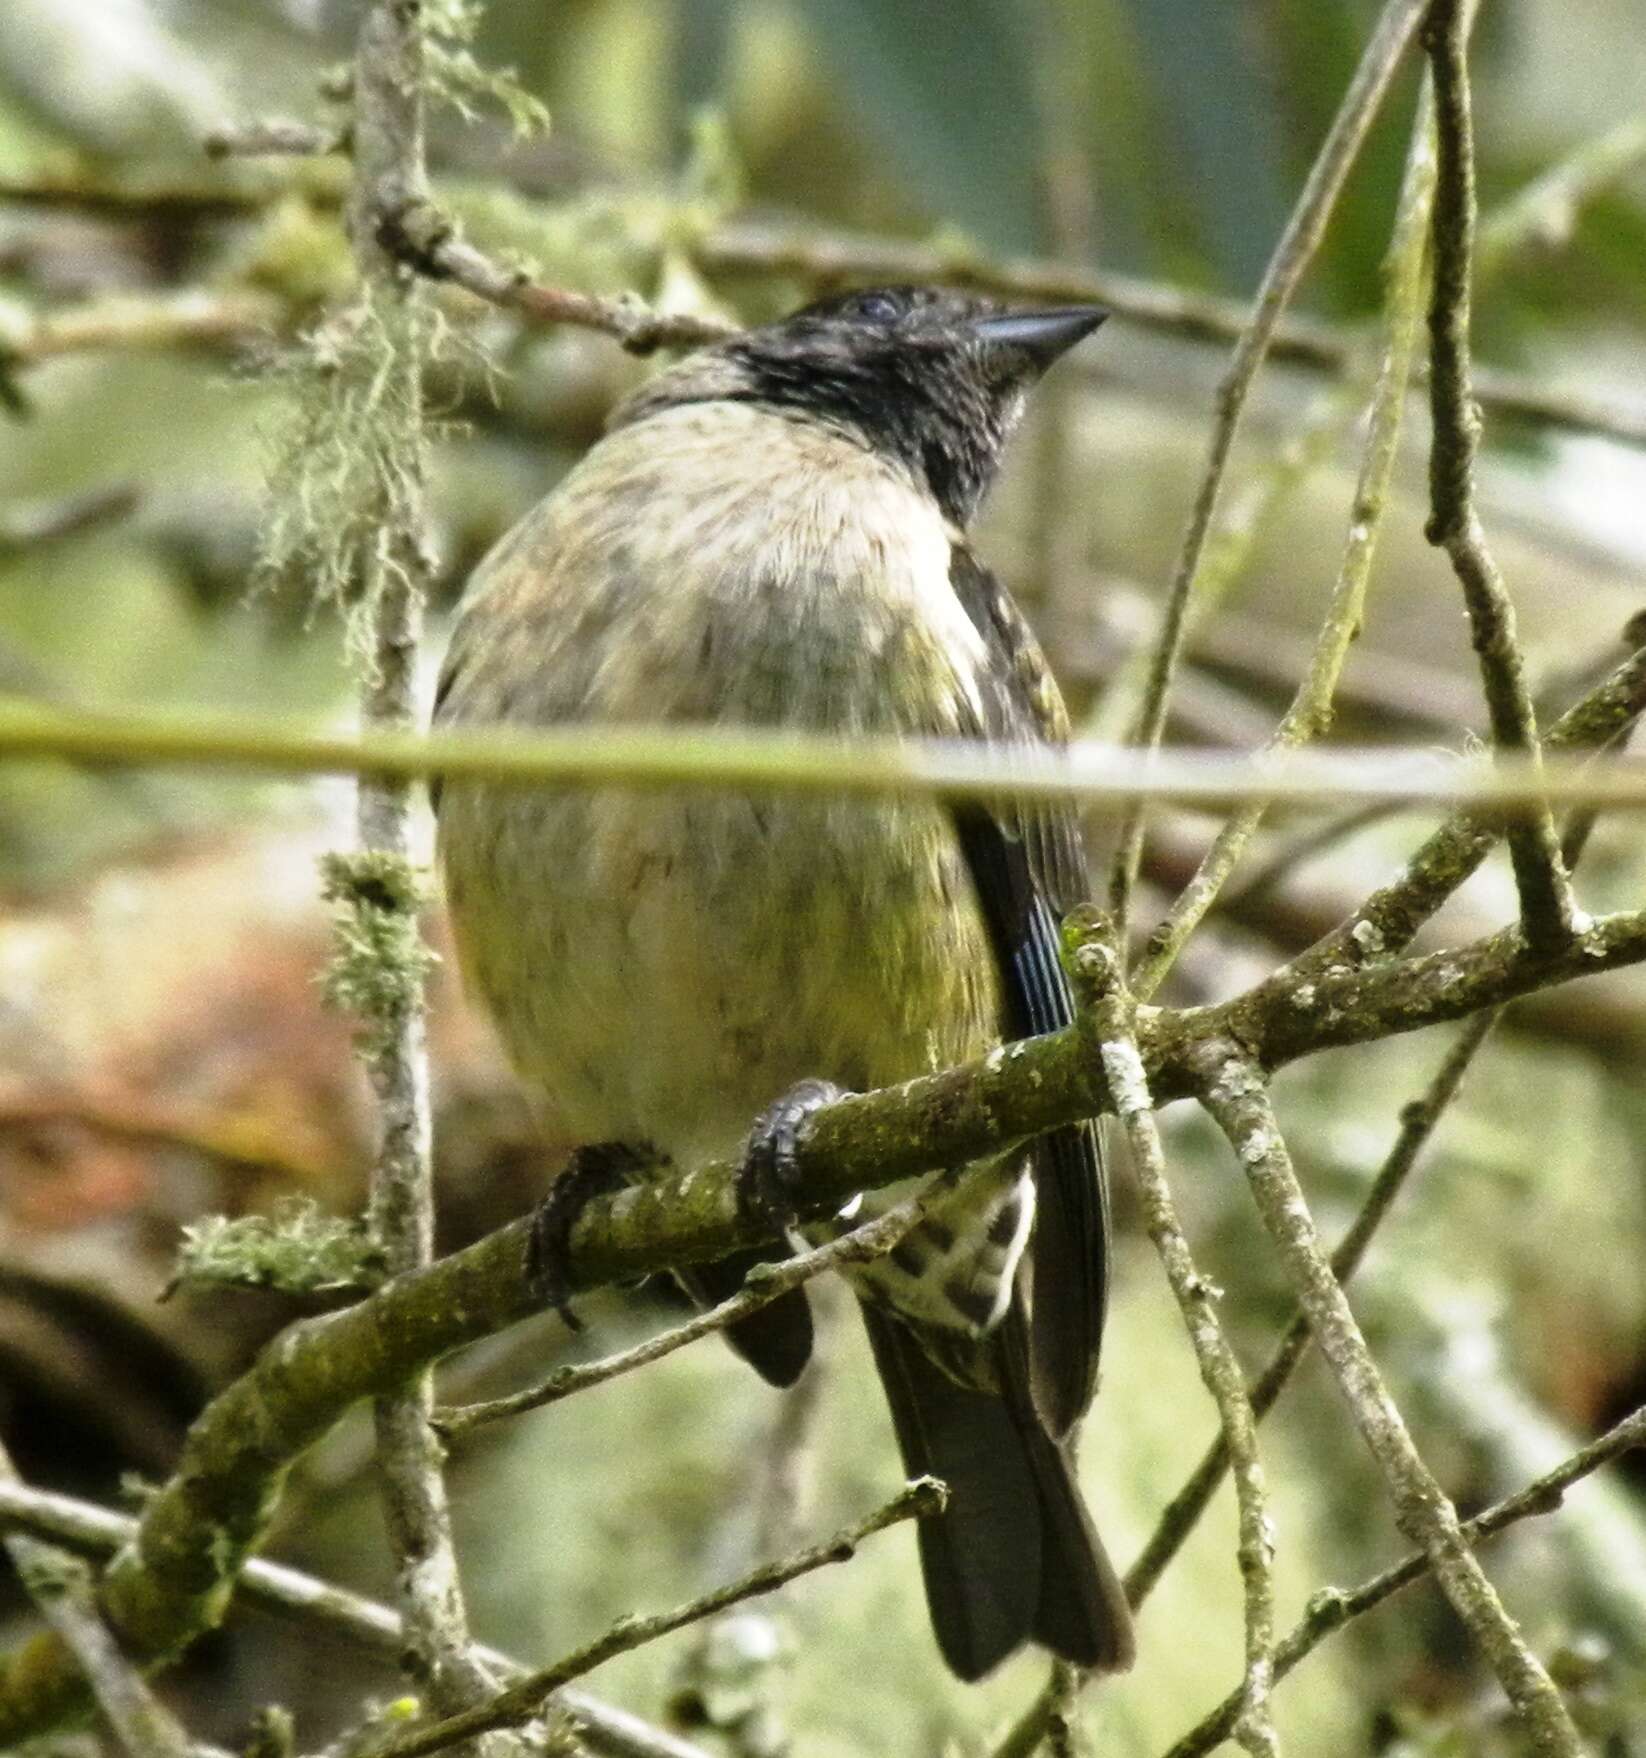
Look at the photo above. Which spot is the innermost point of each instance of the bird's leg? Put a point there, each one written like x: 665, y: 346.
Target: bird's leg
x: 591, y: 1171
x: 769, y: 1180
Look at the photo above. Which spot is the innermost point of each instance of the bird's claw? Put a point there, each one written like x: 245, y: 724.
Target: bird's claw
x: 768, y: 1183
x: 591, y: 1171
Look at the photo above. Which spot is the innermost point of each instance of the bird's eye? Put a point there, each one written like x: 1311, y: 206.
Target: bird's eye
x: 877, y: 308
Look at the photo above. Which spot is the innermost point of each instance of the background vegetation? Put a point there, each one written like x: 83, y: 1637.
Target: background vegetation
x: 163, y: 1054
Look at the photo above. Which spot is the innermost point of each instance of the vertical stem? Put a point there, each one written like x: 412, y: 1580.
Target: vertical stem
x: 1107, y: 1012
x: 1546, y: 908
x: 389, y: 176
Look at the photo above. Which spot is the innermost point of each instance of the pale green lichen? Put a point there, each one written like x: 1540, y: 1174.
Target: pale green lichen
x: 380, y: 958
x: 298, y: 1249
x: 351, y: 456
x: 457, y: 78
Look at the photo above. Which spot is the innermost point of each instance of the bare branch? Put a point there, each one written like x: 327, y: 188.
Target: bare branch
x: 26, y: 525
x: 1361, y: 102
x: 1332, y: 1609
x: 820, y: 257
x: 521, y: 1702
x: 188, y: 317
x: 274, y: 135
x: 744, y: 247
x: 418, y: 235
x: 1182, y: 1513
x: 1235, y: 1095
x: 1545, y: 888
x: 1545, y: 213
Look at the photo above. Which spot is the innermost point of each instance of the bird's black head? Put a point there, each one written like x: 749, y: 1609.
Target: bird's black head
x: 932, y: 378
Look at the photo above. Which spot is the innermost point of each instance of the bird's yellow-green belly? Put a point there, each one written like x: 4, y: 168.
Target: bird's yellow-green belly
x: 662, y: 967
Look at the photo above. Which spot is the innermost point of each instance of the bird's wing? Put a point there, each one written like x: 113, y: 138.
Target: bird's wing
x: 1028, y: 866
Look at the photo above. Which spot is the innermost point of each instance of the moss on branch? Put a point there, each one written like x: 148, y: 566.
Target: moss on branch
x: 176, y: 1579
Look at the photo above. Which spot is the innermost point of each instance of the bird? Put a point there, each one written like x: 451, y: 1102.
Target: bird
x: 773, y: 532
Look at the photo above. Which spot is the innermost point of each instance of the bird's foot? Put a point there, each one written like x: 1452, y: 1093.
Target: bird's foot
x: 592, y: 1171
x: 768, y: 1184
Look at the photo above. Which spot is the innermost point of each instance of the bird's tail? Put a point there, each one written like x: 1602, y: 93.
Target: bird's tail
x: 1014, y: 1557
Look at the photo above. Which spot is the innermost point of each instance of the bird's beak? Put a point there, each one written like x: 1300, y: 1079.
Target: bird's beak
x: 1043, y: 334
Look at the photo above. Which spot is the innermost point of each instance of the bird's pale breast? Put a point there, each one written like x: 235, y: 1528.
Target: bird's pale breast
x: 662, y: 964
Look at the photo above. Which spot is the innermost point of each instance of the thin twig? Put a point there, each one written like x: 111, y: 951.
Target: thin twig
x: 1310, y: 713
x: 1108, y: 1014
x: 822, y: 258
x: 1361, y: 102
x: 1231, y: 546
x: 729, y: 1678
x: 1546, y: 908
x: 1418, y: 1122
x: 1300, y: 850
x: 183, y: 318
x: 1332, y: 1609
x: 763, y: 1284
x: 380, y: 1631
x: 1235, y: 1095
x: 61, y: 1587
x: 1183, y: 1512
x: 418, y: 235
x: 1386, y: 922
x: 274, y: 135
x: 741, y: 247
x: 523, y: 1701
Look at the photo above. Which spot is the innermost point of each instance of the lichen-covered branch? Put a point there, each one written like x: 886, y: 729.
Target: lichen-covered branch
x: 381, y: 962
x: 1333, y: 1609
x: 1108, y: 1014
x: 1546, y: 906
x: 1292, y: 254
x: 1234, y: 1093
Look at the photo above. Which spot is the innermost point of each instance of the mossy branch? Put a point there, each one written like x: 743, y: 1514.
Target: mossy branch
x: 177, y: 1577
